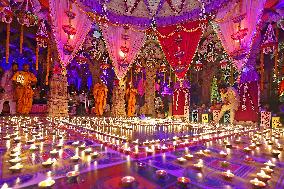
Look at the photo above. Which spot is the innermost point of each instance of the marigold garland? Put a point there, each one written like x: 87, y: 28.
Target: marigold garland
x: 21, y: 38
x: 8, y: 42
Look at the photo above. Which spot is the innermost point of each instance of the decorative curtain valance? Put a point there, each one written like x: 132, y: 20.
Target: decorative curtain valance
x: 123, y: 44
x: 70, y: 26
x: 179, y: 43
x: 237, y: 26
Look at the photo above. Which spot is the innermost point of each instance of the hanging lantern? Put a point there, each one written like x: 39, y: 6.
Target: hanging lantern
x: 71, y: 15
x: 27, y: 18
x: 41, y: 35
x: 124, y: 49
x: 269, y: 41
x: 69, y: 29
x: 81, y: 59
x: 6, y: 15
x: 163, y: 68
x: 138, y: 68
x: 223, y: 64
x: 104, y: 66
x: 198, y: 66
x: 67, y: 49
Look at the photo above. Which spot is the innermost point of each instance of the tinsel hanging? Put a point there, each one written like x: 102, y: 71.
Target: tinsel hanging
x: 6, y: 16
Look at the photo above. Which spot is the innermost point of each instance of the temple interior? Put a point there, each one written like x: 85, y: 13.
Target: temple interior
x: 142, y: 94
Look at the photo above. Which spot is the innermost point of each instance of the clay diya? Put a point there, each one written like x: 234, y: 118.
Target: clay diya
x: 267, y: 170
x: 263, y: 176
x: 15, y: 160
x: 183, y: 181
x: 223, y: 154
x: 75, y: 158
x: 5, y: 186
x: 257, y: 183
x: 16, y: 168
x: 94, y: 154
x: 270, y: 164
x: 88, y: 151
x: 72, y: 174
x: 181, y: 160
x: 275, y: 153
x: 228, y: 174
x: 48, y: 183
x: 54, y: 152
x: 188, y: 156
x: 128, y: 181
x: 48, y: 162
x: 161, y: 173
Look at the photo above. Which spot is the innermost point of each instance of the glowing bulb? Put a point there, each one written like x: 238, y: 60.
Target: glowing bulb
x: 121, y: 54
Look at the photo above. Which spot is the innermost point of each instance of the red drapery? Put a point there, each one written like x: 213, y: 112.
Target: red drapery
x: 180, y: 101
x: 249, y: 107
x: 179, y: 43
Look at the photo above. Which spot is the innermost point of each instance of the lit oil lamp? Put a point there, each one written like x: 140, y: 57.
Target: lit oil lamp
x: 198, y: 165
x: 270, y: 142
x: 17, y: 139
x: 88, y: 151
x: 225, y: 164
x: 59, y: 145
x: 5, y: 186
x: 72, y: 174
x: 188, y: 156
x: 127, y: 181
x: 223, y: 154
x: 48, y: 162
x: 149, y: 151
x: 15, y: 160
x: 161, y: 173
x: 207, y: 151
x: 30, y: 141
x: 228, y: 174
x: 270, y: 164
x: 16, y: 167
x: 247, y: 149
x: 48, y: 183
x: 33, y: 147
x: 263, y: 176
x: 94, y: 154
x: 141, y: 165
x: 75, y: 158
x: 7, y: 137
x: 183, y: 181
x: 164, y: 148
x: 54, y: 152
x: 279, y: 147
x: 252, y: 146
x: 181, y: 160
x: 16, y: 154
x: 76, y: 143
x: 258, y: 143
x: 228, y: 145
x: 267, y: 170
x: 257, y: 183
x: 275, y: 153
x: 200, y: 153
x: 82, y: 146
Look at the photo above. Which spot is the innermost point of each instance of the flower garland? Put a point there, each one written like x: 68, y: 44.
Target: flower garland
x: 244, y: 98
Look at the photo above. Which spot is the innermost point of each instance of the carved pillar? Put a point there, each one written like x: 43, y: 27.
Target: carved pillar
x: 118, y: 98
x: 149, y: 106
x: 58, y: 98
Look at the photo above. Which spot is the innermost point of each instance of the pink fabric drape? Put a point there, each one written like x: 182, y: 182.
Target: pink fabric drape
x: 252, y: 11
x: 114, y: 41
x: 59, y: 18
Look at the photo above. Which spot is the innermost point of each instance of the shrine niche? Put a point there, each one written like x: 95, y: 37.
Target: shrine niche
x: 151, y: 57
